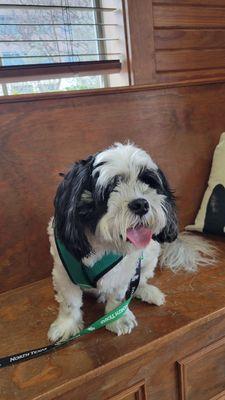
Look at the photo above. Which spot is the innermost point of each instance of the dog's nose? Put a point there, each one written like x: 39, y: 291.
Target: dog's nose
x: 139, y: 206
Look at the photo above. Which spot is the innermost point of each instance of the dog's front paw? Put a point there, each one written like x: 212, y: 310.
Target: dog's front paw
x: 64, y: 327
x: 151, y: 294
x: 123, y: 325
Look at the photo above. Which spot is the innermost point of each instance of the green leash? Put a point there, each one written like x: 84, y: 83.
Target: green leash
x: 110, y: 317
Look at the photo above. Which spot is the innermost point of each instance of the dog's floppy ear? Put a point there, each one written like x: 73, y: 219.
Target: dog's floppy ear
x: 170, y: 232
x: 69, y: 224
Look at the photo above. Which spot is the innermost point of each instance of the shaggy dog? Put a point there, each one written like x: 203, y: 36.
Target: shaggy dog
x: 117, y: 201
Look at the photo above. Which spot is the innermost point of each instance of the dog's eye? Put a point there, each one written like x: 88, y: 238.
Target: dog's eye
x: 150, y: 179
x: 120, y: 178
x: 96, y: 175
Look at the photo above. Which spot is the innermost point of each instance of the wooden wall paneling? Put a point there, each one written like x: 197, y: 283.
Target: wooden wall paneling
x: 188, y: 16
x: 212, y: 75
x: 141, y: 41
x: 189, y: 39
x: 185, y: 60
x: 212, y: 3
x: 42, y: 136
x: 170, y: 39
x: 176, y: 40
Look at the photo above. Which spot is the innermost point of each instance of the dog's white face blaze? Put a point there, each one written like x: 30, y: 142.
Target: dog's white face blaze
x: 125, y: 162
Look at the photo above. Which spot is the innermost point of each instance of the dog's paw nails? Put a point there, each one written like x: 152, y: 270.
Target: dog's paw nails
x: 63, y: 328
x: 152, y: 295
x: 123, y: 325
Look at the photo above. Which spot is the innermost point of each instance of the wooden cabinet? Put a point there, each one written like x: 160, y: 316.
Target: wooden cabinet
x: 174, y: 40
x: 202, y: 374
x: 136, y: 392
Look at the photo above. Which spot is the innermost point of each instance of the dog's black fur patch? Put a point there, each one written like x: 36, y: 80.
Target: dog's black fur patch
x: 70, y: 228
x: 151, y: 178
x: 215, y: 212
x: 157, y: 180
x: 74, y: 215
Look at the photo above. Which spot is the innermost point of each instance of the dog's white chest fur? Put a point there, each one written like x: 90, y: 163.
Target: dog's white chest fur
x: 120, y: 276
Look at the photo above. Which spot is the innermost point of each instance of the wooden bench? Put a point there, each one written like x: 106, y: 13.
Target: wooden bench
x: 178, y: 350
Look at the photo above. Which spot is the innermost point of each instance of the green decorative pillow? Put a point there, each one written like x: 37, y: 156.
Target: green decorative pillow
x: 211, y: 216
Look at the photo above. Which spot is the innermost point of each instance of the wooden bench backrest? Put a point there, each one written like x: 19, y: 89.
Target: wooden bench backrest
x: 43, y: 135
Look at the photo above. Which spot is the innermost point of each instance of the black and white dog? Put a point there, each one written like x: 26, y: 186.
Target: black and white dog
x: 115, y: 201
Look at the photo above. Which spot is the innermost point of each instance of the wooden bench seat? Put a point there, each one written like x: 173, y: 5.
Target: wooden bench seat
x: 102, y: 365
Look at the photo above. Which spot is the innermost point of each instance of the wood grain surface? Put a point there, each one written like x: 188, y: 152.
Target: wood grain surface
x: 102, y: 365
x: 191, y: 27
x: 203, y: 373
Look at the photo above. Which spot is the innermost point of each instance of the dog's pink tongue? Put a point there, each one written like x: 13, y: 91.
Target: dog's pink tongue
x: 139, y: 236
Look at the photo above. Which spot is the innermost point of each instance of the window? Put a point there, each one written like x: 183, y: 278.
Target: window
x: 61, y: 45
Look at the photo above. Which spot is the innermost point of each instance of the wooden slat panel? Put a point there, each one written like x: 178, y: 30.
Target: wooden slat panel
x: 188, y: 16
x: 191, y: 75
x: 142, y: 62
x: 185, y: 60
x: 189, y: 39
x: 204, y: 3
x: 150, y: 23
x: 194, y: 45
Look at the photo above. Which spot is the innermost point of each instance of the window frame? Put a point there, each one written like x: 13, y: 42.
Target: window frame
x: 58, y: 70
x: 23, y: 73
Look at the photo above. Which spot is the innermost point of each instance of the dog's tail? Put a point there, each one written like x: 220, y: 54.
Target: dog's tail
x: 187, y: 252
